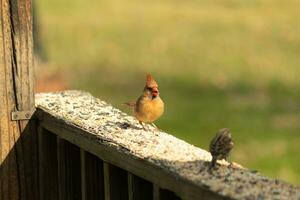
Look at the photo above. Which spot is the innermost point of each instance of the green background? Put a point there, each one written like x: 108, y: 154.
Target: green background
x: 232, y: 63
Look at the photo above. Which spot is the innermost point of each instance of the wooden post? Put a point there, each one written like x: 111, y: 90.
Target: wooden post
x: 18, y: 158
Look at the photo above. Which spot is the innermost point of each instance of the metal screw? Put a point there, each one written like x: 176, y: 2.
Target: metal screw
x: 27, y: 115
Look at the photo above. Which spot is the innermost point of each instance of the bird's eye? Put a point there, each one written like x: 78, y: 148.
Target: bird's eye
x: 149, y: 88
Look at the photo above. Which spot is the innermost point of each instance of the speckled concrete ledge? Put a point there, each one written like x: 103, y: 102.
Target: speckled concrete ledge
x: 164, y: 150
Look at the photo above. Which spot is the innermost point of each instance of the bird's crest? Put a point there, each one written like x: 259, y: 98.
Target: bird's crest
x: 151, y: 82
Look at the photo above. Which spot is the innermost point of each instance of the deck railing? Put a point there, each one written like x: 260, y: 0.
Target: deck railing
x: 90, y: 150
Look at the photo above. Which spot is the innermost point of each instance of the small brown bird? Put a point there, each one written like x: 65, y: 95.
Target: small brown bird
x: 149, y: 106
x: 220, y: 146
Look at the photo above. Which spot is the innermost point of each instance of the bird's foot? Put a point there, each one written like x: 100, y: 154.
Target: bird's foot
x: 156, y: 128
x: 213, y: 165
x: 143, y: 127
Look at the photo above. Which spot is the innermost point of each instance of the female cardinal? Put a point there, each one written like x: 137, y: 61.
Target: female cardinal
x: 149, y: 105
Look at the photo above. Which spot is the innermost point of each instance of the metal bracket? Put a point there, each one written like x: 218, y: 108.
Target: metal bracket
x: 21, y: 115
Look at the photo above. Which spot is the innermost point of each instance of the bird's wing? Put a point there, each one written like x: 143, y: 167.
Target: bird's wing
x: 131, y: 104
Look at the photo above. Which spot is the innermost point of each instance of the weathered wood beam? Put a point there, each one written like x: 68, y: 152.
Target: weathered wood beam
x: 18, y: 146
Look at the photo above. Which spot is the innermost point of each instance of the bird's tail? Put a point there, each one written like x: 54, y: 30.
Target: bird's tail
x: 130, y: 104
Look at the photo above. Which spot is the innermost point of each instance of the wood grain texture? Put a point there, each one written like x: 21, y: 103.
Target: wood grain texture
x: 18, y: 141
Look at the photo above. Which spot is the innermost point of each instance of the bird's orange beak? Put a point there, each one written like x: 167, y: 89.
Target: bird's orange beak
x: 155, y: 92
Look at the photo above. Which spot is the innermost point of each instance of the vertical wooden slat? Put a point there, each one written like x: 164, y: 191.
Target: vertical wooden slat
x: 18, y: 142
x: 94, y: 177
x: 68, y: 170
x: 83, y: 175
x: 155, y: 192
x: 60, y: 166
x: 130, y: 186
x: 139, y: 188
x: 106, y: 181
x: 115, y: 183
x: 48, y: 177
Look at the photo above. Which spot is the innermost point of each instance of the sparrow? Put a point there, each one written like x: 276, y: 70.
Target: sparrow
x: 220, y: 146
x: 149, y: 106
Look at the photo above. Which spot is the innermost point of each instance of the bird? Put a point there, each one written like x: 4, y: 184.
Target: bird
x: 149, y: 106
x: 220, y: 146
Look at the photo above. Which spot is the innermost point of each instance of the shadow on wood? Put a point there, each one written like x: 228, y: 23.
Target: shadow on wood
x: 19, y: 169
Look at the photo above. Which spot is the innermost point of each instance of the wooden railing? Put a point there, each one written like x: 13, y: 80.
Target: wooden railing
x: 90, y: 150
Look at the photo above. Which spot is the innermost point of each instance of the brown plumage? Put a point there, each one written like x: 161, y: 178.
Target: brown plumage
x: 149, y: 106
x: 220, y: 146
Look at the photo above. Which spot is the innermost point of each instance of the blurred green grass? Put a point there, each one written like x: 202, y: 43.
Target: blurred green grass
x: 231, y: 63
